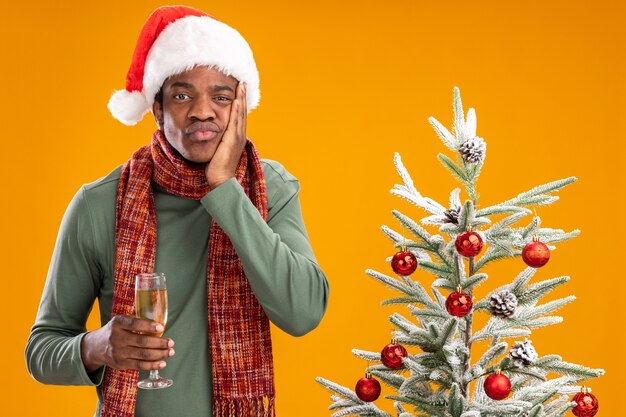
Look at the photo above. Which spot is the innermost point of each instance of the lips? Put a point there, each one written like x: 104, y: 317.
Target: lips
x: 201, y: 131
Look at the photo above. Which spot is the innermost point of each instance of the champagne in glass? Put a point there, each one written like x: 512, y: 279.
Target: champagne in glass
x: 151, y: 303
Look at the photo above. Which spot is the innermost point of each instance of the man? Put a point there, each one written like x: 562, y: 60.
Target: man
x: 199, y: 205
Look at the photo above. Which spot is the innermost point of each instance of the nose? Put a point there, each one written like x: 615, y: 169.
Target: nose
x: 202, y: 108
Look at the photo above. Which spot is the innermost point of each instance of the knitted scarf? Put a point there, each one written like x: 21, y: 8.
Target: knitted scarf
x: 239, y: 332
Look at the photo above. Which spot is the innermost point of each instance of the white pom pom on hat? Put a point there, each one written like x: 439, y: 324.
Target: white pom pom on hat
x: 173, y: 40
x: 128, y: 107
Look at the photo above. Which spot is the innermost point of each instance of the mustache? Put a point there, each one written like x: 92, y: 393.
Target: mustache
x: 202, y: 126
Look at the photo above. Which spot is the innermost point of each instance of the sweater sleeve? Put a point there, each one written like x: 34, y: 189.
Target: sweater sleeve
x: 276, y: 256
x: 53, y: 350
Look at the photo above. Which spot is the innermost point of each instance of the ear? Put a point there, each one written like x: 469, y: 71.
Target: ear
x: 157, y: 111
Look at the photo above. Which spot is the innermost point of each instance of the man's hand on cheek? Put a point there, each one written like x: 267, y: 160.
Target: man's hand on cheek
x: 224, y: 163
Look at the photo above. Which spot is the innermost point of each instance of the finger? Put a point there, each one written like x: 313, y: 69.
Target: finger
x: 150, y: 366
x: 140, y: 365
x: 244, y: 110
x: 150, y: 342
x: 137, y: 325
x: 234, y: 112
x: 149, y: 355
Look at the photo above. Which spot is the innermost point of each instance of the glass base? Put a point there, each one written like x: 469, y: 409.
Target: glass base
x: 156, y: 383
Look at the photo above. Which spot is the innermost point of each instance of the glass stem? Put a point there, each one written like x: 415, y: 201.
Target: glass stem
x: 154, y: 375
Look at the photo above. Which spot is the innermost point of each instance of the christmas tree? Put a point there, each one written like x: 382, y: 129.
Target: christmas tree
x: 435, y: 377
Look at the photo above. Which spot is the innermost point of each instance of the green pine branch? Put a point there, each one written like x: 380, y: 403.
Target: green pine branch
x: 413, y: 289
x: 419, y: 405
x: 433, y: 244
x: 348, y: 403
x: 553, y: 363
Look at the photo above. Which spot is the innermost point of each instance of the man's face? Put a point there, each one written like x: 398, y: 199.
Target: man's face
x: 195, y: 111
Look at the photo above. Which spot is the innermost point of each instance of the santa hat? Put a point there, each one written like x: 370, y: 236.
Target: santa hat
x: 175, y: 39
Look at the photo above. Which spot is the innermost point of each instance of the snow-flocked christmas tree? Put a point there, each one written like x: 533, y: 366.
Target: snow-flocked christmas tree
x: 436, y: 377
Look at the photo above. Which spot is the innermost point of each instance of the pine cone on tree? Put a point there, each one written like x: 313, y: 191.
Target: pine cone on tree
x: 523, y: 354
x: 503, y: 304
x: 473, y: 150
x: 452, y: 215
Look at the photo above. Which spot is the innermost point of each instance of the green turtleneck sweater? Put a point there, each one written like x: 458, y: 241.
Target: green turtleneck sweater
x: 276, y: 256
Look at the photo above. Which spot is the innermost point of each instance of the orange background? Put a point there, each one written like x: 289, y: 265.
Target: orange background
x: 344, y: 85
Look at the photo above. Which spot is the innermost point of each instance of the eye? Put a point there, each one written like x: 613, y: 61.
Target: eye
x: 223, y: 99
x: 181, y: 96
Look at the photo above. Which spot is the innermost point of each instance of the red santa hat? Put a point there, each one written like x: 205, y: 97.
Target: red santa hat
x: 175, y: 39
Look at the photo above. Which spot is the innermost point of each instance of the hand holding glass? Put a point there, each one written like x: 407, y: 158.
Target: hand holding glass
x: 151, y: 304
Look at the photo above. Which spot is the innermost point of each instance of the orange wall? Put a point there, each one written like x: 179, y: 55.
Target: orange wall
x: 344, y: 85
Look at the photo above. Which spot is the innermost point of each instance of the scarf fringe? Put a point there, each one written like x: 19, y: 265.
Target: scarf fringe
x: 253, y: 407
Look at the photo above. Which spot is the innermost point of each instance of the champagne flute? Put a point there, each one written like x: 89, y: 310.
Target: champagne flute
x: 151, y: 303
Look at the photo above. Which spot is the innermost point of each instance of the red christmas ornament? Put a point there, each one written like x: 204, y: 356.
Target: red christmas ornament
x: 536, y: 254
x: 468, y: 244
x: 459, y: 304
x: 367, y: 388
x: 404, y: 263
x: 497, y: 386
x: 586, y: 404
x: 392, y: 355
